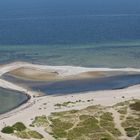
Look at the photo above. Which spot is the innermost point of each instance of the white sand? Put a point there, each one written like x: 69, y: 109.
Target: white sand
x: 31, y: 109
x: 62, y: 70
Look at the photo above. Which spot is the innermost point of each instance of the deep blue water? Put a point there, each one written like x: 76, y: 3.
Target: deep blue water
x: 46, y: 22
x: 76, y: 86
x: 94, y: 33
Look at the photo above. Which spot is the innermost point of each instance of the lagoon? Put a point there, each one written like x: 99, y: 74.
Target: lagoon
x: 10, y: 99
x: 78, y: 85
x: 85, y: 85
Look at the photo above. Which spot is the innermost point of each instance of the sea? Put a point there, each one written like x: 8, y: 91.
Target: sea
x: 88, y: 33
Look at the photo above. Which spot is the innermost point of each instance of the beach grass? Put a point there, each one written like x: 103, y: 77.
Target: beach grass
x: 89, y: 123
x: 40, y: 121
x: 27, y: 134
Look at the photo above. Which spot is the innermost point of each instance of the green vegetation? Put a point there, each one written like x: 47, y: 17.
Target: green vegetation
x: 131, y: 118
x: 131, y: 131
x: 7, y: 130
x: 59, y: 128
x: 89, y: 123
x: 21, y: 131
x: 106, y: 122
x: 85, y: 127
x: 131, y: 126
x: 64, y: 113
x: 135, y: 106
x: 123, y: 110
x: 22, y: 134
x: 122, y: 104
x: 84, y: 117
x: 19, y: 126
x: 65, y: 104
x: 131, y: 122
x: 106, y: 116
x: 40, y: 121
x: 35, y: 134
x: 138, y: 137
x: 27, y: 134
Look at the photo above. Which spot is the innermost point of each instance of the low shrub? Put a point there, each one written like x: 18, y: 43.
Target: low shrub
x: 7, y: 130
x: 138, y: 137
x: 135, y: 106
x: 131, y: 131
x: 19, y: 126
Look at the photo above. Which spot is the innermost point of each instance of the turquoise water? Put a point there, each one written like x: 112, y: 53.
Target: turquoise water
x: 116, y: 54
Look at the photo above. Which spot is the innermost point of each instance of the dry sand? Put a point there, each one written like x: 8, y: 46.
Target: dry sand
x: 41, y: 73
x: 34, y: 74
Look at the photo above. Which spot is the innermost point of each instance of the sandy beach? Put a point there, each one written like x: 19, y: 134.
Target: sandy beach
x: 45, y: 105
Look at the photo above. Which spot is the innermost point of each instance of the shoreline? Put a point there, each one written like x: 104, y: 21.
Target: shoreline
x: 26, y: 112
x: 31, y: 108
x: 63, y: 71
x: 22, y: 103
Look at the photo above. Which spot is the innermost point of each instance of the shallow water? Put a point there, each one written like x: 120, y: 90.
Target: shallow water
x: 76, y: 86
x: 101, y: 55
x: 10, y: 99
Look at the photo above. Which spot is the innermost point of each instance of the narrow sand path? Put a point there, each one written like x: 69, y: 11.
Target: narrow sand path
x: 118, y: 122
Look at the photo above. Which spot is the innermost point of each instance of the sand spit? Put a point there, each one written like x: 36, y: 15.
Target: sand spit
x: 30, y: 71
x: 61, y: 70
